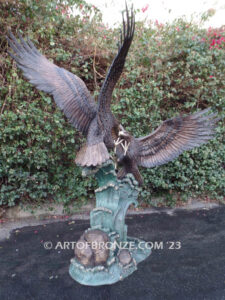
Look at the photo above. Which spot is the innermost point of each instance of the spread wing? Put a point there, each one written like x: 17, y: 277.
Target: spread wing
x: 117, y: 65
x: 68, y: 90
x: 173, y: 137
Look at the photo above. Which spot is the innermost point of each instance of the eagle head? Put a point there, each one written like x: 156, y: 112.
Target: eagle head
x: 123, y: 134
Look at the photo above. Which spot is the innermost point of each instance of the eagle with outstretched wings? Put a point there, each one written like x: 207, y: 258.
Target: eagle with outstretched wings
x: 96, y: 121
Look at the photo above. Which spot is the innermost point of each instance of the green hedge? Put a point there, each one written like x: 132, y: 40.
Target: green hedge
x: 171, y: 69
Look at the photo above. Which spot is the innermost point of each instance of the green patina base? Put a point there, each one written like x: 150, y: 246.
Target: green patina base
x: 113, y: 197
x: 113, y: 271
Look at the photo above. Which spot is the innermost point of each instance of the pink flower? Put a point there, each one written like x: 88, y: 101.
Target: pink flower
x: 211, y: 76
x: 81, y: 6
x: 203, y: 39
x: 177, y: 29
x: 56, y: 7
x: 193, y: 38
x: 156, y: 22
x: 104, y: 37
x: 145, y: 8
x: 213, y: 42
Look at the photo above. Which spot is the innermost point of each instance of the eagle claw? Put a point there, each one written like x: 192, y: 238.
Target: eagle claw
x: 123, y: 143
x: 125, y: 147
x: 117, y: 143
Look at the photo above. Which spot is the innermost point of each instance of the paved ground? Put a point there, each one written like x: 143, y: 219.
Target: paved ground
x: 196, y: 271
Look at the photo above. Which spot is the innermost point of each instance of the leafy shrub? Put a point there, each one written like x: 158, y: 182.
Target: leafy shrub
x: 171, y: 69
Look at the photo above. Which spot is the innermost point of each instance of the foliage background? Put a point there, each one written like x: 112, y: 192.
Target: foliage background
x: 171, y: 69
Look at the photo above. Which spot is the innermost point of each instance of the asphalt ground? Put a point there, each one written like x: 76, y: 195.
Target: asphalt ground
x: 187, y: 260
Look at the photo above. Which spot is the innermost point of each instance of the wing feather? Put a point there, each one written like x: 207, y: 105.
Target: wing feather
x: 69, y: 91
x: 116, y: 68
x: 173, y: 137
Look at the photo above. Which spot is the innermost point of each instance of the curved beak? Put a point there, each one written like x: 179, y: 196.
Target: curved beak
x: 123, y: 133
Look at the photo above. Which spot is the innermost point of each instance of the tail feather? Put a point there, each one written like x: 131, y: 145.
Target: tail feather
x: 134, y: 171
x: 121, y: 173
x: 92, y: 155
x: 138, y: 177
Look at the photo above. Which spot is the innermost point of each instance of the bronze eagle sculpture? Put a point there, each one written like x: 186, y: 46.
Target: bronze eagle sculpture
x: 96, y: 121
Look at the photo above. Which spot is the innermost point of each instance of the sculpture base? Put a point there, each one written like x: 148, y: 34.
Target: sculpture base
x: 107, y: 254
x: 115, y: 269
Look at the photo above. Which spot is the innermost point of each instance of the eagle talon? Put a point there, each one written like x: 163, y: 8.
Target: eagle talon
x: 125, y: 147
x: 117, y: 143
x: 114, y: 159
